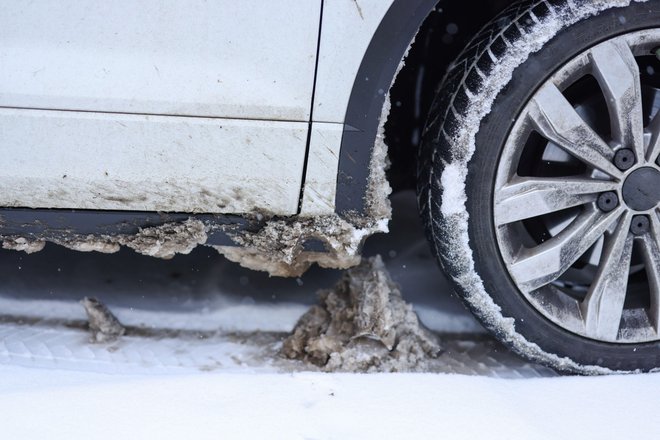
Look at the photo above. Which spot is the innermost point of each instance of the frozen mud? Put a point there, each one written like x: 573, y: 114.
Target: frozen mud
x: 103, y: 325
x: 278, y: 247
x: 363, y: 325
x: 163, y: 241
x: 169, y: 239
x: 377, y: 202
x: 23, y: 244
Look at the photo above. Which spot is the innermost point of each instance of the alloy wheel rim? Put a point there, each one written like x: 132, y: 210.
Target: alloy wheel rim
x: 576, y: 204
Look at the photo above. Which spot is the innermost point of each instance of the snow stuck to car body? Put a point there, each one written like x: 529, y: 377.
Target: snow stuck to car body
x: 278, y: 247
x: 164, y: 241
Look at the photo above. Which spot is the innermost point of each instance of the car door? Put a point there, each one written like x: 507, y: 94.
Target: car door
x: 156, y: 105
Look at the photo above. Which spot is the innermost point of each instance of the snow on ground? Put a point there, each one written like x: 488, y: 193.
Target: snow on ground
x: 64, y: 405
x: 199, y: 359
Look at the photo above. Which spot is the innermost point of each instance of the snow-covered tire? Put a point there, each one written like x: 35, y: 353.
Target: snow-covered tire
x: 470, y: 120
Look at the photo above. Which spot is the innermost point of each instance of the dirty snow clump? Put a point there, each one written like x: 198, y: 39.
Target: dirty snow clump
x: 103, y: 325
x: 23, y: 244
x: 164, y: 241
x: 363, y: 324
x: 277, y: 248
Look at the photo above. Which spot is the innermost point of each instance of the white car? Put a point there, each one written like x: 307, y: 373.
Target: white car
x: 262, y: 128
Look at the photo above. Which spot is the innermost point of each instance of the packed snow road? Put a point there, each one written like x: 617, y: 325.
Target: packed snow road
x: 201, y: 358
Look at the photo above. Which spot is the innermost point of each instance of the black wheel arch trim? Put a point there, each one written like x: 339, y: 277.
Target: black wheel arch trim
x: 374, y: 78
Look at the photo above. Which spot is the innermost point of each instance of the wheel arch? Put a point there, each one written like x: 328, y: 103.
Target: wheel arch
x: 429, y: 34
x: 374, y: 78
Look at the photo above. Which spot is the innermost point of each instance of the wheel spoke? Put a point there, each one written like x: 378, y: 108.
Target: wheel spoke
x: 617, y: 72
x: 540, y: 265
x: 527, y: 197
x: 654, y: 147
x: 651, y: 255
x: 603, y: 305
x: 556, y: 119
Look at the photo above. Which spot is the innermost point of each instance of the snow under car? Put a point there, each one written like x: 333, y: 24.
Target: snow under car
x: 530, y: 130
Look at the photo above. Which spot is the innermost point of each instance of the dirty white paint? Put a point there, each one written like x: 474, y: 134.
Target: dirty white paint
x: 58, y: 159
x: 348, y: 26
x: 322, y: 166
x: 170, y: 106
x: 240, y: 59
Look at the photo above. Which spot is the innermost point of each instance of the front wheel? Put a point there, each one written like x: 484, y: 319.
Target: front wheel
x: 539, y: 182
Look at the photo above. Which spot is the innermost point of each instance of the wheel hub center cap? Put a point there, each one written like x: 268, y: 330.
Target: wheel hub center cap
x: 641, y: 190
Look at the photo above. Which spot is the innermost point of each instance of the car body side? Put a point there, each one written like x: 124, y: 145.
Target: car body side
x: 259, y: 124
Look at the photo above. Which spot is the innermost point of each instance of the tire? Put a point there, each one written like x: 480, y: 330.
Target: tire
x: 469, y: 129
